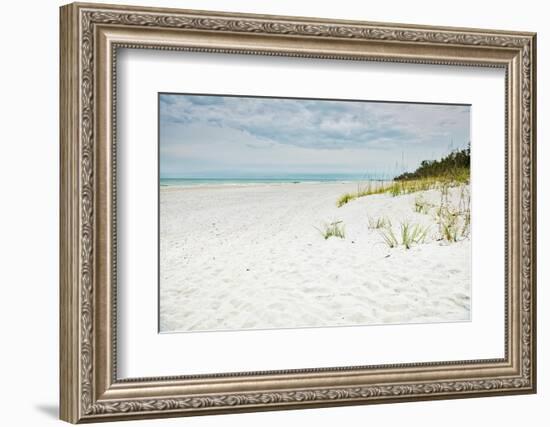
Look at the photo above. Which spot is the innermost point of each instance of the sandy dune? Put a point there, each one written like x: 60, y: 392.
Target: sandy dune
x: 250, y: 257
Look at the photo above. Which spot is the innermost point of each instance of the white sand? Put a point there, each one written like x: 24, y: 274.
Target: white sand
x: 249, y: 257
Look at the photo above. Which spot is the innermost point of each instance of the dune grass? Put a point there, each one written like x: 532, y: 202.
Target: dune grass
x: 363, y: 190
x: 421, y: 205
x: 465, y: 231
x: 449, y: 171
x: 413, y: 234
x: 441, y: 182
x: 396, y: 188
x: 464, y: 208
x: 346, y: 198
x: 378, y: 223
x: 454, y: 219
x: 449, y: 226
x: 389, y: 238
x: 370, y: 188
x: 410, y: 234
x: 333, y: 229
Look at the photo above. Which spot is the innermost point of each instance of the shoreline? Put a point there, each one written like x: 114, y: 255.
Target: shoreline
x: 231, y: 185
x: 236, y: 184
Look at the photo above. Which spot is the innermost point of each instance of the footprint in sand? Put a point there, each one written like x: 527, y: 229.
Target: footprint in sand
x: 371, y: 286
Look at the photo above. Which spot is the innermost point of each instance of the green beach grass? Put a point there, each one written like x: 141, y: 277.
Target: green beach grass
x: 333, y: 229
x: 450, y: 171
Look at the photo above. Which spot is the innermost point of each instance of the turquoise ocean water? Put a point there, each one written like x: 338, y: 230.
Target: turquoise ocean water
x: 294, y: 179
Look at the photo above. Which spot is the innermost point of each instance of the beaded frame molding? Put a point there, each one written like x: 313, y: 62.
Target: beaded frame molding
x: 90, y: 37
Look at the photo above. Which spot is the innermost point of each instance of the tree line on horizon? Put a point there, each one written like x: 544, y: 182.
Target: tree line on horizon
x: 455, y: 163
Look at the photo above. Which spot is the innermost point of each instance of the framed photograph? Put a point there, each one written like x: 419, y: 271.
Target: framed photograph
x: 266, y: 212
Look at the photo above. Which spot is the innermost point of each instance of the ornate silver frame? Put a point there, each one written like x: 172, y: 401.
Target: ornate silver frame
x: 90, y: 36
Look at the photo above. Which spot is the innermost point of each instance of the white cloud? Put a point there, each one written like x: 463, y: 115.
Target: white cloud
x: 215, y: 133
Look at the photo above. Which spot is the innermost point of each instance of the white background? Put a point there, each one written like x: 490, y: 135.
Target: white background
x: 29, y: 171
x: 145, y: 353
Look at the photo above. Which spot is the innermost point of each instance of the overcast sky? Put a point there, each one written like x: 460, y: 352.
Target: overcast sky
x: 224, y: 137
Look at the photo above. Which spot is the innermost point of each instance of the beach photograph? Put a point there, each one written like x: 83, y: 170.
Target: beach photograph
x: 297, y: 213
